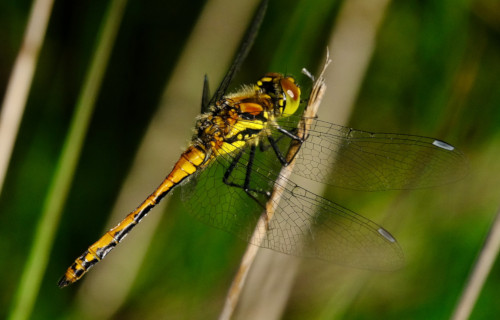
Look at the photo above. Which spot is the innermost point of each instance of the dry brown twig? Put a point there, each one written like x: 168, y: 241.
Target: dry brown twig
x: 17, y: 91
x: 261, y: 228
x: 480, y: 272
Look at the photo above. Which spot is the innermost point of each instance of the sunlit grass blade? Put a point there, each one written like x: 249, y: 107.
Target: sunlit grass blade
x: 481, y: 270
x: 20, y: 80
x: 344, y: 78
x: 54, y: 202
x: 310, y: 112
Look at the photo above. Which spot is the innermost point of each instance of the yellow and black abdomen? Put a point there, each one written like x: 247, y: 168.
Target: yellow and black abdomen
x: 189, y: 162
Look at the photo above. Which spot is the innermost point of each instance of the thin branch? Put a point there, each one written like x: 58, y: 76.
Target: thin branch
x: 481, y: 270
x: 263, y: 223
x: 20, y: 80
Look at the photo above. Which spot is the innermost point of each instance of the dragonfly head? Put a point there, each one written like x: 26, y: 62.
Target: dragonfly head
x: 284, y: 91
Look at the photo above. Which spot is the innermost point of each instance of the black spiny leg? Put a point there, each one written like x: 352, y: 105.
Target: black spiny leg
x: 246, y: 183
x: 229, y: 170
x: 274, y: 145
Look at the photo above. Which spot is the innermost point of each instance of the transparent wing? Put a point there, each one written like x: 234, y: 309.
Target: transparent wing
x: 243, y: 50
x: 304, y: 224
x: 361, y: 160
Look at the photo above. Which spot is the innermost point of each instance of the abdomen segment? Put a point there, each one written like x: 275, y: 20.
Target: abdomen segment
x: 190, y: 161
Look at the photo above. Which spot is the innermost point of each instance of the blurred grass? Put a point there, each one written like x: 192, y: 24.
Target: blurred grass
x: 434, y: 72
x: 47, y: 225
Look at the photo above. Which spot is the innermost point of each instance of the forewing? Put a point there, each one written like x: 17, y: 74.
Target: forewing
x: 361, y: 160
x: 243, y: 50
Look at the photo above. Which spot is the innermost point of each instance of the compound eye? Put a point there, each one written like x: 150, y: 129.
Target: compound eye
x: 290, y: 88
x: 292, y: 95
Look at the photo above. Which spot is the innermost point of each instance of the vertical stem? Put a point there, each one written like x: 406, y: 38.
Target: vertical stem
x: 20, y: 80
x: 480, y: 273
x: 54, y: 202
x: 263, y: 223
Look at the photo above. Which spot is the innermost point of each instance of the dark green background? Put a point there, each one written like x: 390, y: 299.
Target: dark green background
x: 435, y: 72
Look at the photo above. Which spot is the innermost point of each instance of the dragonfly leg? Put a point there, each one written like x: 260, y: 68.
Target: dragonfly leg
x: 274, y: 144
x: 246, y: 184
x: 290, y: 134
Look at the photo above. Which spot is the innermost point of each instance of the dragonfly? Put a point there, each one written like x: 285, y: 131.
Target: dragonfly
x: 232, y: 165
x: 243, y: 140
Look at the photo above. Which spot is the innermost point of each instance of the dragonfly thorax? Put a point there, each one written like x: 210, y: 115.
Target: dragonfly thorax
x: 240, y: 118
x: 234, y: 122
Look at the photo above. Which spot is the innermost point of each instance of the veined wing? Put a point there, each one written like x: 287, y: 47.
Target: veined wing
x: 361, y: 160
x: 243, y: 50
x: 308, y: 225
x: 304, y: 224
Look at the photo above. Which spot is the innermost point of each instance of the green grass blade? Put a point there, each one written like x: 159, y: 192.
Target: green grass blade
x: 46, y: 229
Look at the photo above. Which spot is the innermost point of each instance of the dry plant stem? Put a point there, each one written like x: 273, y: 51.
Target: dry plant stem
x: 17, y: 90
x: 479, y: 274
x: 263, y: 223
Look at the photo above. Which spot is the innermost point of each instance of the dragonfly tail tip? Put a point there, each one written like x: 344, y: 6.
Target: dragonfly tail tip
x: 63, y: 282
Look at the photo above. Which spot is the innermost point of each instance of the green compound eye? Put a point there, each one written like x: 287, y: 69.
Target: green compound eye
x: 292, y: 95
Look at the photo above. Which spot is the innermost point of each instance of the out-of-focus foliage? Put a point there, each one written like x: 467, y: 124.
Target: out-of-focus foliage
x: 435, y: 72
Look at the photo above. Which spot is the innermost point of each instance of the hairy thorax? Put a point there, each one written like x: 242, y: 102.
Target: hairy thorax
x: 234, y: 122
